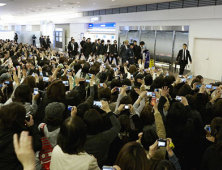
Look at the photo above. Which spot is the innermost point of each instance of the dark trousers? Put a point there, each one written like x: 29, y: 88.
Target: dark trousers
x: 107, y: 58
x: 33, y: 42
x: 182, y: 66
x: 131, y: 61
x: 114, y: 56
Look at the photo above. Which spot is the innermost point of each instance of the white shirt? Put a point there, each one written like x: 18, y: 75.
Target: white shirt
x: 108, y: 48
x: 82, y: 161
x: 126, y: 46
x: 185, y: 54
x: 73, y: 46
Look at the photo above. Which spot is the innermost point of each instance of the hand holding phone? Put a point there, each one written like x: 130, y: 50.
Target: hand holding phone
x: 162, y: 143
x: 36, y: 91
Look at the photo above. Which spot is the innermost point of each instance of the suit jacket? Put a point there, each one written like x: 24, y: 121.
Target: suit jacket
x: 87, y: 48
x: 101, y: 50
x: 44, y: 44
x: 180, y: 57
x: 48, y: 42
x: 129, y: 54
x: 137, y: 51
x: 106, y: 47
x: 113, y: 50
x: 76, y: 46
x: 122, y: 53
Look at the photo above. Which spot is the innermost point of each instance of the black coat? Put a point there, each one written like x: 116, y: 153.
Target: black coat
x: 101, y: 50
x: 8, y: 159
x: 44, y: 44
x: 106, y: 47
x: 75, y: 50
x: 87, y: 48
x: 180, y: 57
x: 122, y: 53
x: 137, y: 51
x: 114, y: 50
x: 48, y: 42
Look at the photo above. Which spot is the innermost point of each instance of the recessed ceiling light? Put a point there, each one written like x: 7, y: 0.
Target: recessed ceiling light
x: 94, y: 3
x: 78, y: 2
x: 2, y: 4
x: 30, y: 8
x: 53, y: 7
x: 48, y: 3
x: 113, y: 0
x: 39, y: 6
x: 67, y: 8
x: 79, y: 6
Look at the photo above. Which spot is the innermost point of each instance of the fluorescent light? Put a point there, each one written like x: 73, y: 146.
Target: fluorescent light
x: 2, y: 4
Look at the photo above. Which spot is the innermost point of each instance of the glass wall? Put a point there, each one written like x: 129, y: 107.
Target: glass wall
x: 164, y: 46
x: 149, y: 38
x: 122, y: 36
x: 133, y: 35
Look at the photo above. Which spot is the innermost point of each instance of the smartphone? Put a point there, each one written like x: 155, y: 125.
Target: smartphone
x: 7, y: 82
x: 183, y: 80
x: 198, y: 86
x: 178, y: 98
x: 107, y: 168
x: 117, y: 88
x: 129, y: 88
x: 156, y: 90
x: 70, y: 108
x: 162, y: 143
x: 157, y: 100
x: 215, y: 88
x: 40, y: 74
x: 167, y: 74
x: 33, y: 74
x: 115, y: 69
x: 66, y: 83
x: 131, y: 77
x: 209, y: 86
x: 189, y: 77
x: 208, y: 128
x: 149, y: 94
x: 180, y: 76
x: 1, y: 85
x: 153, y: 94
x: 36, y: 91
x: 153, y: 68
x: 126, y: 107
x: 87, y: 81
x: 45, y: 79
x: 97, y: 103
x: 101, y: 84
x: 90, y: 75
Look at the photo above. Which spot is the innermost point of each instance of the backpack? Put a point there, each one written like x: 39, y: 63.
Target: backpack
x: 45, y: 153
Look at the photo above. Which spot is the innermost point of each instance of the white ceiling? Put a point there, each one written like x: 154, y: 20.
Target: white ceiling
x: 35, y: 7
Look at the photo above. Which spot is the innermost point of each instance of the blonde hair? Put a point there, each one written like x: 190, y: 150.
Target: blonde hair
x: 126, y: 41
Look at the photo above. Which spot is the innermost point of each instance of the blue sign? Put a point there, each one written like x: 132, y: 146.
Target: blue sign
x: 102, y: 25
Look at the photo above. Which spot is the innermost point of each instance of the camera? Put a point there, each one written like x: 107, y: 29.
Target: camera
x: 107, y: 168
x: 129, y: 88
x: 162, y: 143
x: 126, y: 107
x: 178, y: 98
x: 70, y: 108
x: 27, y: 116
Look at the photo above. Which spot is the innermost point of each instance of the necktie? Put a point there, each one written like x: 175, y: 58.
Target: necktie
x: 184, y: 55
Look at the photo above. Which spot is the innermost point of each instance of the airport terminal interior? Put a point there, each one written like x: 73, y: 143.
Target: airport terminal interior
x: 110, y: 85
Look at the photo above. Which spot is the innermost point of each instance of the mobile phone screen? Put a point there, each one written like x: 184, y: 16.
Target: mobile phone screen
x: 66, y: 83
x: 97, y: 103
x: 149, y: 94
x: 126, y: 107
x: 45, y: 79
x: 209, y: 86
x: 36, y: 91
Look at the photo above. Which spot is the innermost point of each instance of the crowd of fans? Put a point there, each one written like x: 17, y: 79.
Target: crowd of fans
x: 66, y: 113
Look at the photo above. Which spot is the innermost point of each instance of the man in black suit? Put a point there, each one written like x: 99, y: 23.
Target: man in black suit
x: 101, y: 52
x: 40, y: 40
x: 123, y: 48
x: 48, y: 42
x: 137, y: 52
x: 182, y: 58
x: 114, y: 52
x: 87, y: 48
x: 107, y: 46
x: 44, y: 43
x: 72, y: 48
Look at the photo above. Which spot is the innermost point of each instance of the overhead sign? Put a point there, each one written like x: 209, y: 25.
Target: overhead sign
x: 102, y: 25
x: 94, y: 19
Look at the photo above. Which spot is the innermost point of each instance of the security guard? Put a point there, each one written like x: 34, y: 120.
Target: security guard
x: 130, y: 54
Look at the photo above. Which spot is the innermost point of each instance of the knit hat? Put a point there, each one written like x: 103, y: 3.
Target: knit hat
x: 55, y: 110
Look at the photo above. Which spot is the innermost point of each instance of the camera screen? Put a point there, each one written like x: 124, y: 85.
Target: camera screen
x: 97, y: 103
x: 87, y: 81
x: 161, y: 144
x: 69, y: 108
x: 149, y: 93
x: 66, y: 83
x: 45, y: 79
x: 178, y: 98
x: 126, y: 107
x: 183, y: 80
x: 208, y: 86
